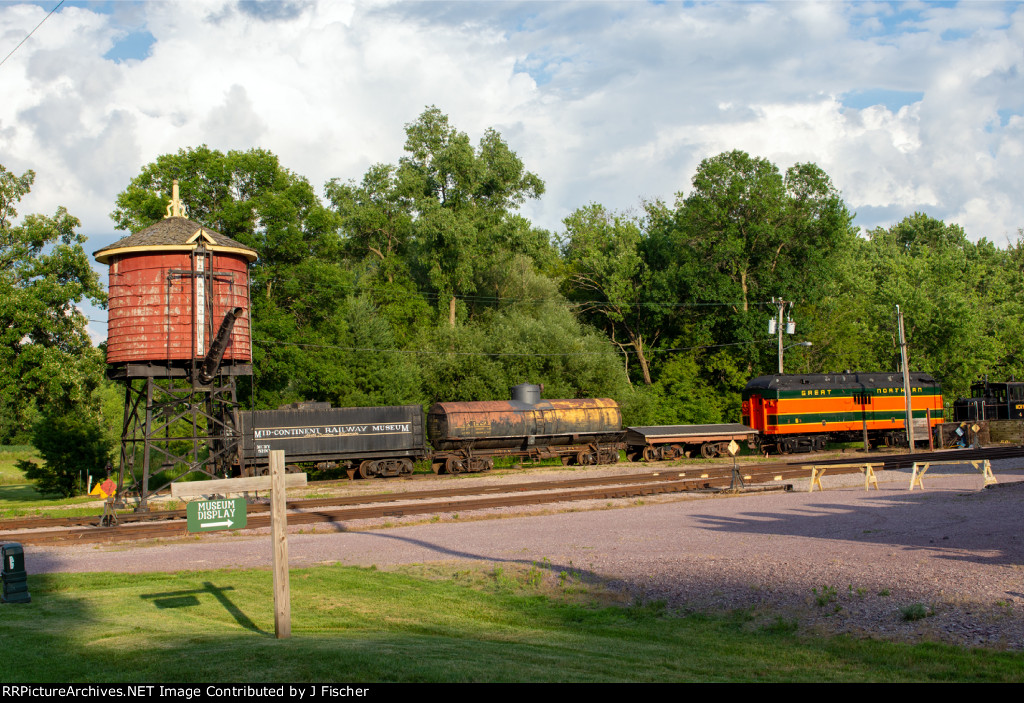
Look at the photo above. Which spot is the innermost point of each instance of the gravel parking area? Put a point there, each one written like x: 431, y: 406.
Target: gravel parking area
x: 943, y: 564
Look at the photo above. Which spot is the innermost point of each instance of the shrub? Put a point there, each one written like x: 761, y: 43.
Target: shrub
x: 70, y: 445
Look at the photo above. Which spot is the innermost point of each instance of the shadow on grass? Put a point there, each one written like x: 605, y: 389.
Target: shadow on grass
x: 588, y: 577
x: 21, y: 493
x: 363, y: 625
x: 188, y: 599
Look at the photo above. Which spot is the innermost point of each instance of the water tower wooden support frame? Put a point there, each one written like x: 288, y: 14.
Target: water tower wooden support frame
x: 188, y: 426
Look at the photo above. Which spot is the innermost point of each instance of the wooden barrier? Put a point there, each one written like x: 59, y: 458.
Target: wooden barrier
x: 226, y: 486
x: 867, y: 468
x: 983, y: 465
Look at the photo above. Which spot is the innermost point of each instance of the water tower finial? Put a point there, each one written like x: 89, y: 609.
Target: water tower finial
x: 174, y: 207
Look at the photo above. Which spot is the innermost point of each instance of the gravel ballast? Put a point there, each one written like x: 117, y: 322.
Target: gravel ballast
x: 942, y: 564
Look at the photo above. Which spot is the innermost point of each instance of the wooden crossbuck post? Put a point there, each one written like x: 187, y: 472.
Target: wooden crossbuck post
x: 279, y: 537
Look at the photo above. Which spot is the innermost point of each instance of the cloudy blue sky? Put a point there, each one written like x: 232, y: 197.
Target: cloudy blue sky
x: 909, y: 107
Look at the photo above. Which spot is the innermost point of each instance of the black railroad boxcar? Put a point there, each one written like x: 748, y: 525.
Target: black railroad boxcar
x: 377, y: 441
x: 796, y: 413
x: 467, y: 436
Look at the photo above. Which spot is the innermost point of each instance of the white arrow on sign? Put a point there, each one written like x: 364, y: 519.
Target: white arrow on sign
x: 226, y: 523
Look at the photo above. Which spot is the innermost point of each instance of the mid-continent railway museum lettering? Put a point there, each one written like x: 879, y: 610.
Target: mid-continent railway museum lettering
x: 329, y: 431
x: 270, y: 434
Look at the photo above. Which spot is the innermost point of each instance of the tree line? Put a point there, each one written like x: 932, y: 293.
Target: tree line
x: 422, y: 281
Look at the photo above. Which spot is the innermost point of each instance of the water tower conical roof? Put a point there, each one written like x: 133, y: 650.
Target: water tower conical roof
x: 173, y: 234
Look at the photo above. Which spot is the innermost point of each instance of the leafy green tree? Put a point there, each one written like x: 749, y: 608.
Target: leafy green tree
x: 445, y: 215
x: 1003, y: 281
x: 47, y: 360
x: 698, y: 389
x: 376, y: 218
x: 245, y: 195
x: 532, y: 337
x: 313, y: 301
x: 745, y: 234
x: 607, y: 277
x: 73, y: 445
x: 951, y: 294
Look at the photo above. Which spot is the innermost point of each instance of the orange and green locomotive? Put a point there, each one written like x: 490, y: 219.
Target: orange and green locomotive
x: 800, y: 413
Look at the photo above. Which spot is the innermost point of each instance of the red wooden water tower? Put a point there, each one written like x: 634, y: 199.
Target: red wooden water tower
x: 178, y: 337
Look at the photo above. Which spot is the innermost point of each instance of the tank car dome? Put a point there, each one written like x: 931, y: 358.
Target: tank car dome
x: 528, y: 393
x: 171, y: 287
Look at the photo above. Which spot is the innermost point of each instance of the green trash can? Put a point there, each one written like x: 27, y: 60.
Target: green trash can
x: 13, y: 574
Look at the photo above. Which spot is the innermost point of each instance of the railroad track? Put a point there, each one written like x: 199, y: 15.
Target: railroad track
x: 169, y: 524
x: 302, y: 513
x: 305, y: 504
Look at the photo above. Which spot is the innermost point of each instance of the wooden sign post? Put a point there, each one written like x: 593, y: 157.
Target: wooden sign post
x: 279, y: 538
x: 277, y: 482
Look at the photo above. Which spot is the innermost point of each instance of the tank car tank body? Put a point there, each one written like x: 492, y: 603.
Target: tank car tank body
x: 467, y: 436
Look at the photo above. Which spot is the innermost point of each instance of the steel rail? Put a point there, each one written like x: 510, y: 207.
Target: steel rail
x: 715, y: 473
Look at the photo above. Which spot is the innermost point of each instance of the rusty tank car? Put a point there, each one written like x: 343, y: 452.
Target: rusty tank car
x: 468, y: 436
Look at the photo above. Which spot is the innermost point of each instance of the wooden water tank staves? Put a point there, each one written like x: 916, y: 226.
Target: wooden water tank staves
x: 171, y: 286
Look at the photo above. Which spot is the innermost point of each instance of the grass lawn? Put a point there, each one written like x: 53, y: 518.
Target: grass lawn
x: 19, y: 497
x: 425, y: 624
x: 9, y: 457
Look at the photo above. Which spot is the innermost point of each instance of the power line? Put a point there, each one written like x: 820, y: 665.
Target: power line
x: 524, y: 354
x: 31, y: 33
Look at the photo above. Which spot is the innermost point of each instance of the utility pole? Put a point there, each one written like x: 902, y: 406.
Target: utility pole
x: 774, y: 325
x: 906, y: 380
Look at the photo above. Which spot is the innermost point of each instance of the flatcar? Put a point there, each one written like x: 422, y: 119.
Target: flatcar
x: 666, y: 442
x: 800, y: 413
x: 991, y: 401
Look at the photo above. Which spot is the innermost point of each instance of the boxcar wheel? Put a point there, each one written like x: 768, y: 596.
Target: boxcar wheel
x: 709, y: 450
x: 366, y: 469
